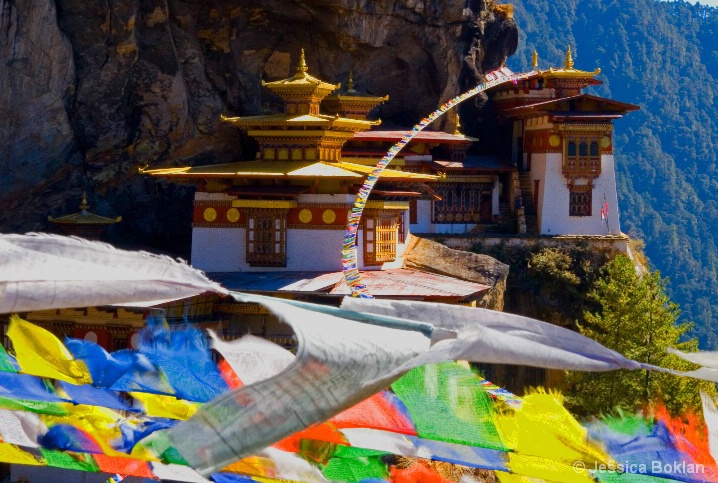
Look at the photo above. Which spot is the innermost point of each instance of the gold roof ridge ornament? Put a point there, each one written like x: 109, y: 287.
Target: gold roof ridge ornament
x: 84, y: 217
x: 350, y: 81
x: 568, y: 71
x: 83, y: 204
x: 350, y: 102
x: 568, y: 63
x: 534, y: 61
x: 457, y: 129
x: 301, y: 85
x: 302, y: 65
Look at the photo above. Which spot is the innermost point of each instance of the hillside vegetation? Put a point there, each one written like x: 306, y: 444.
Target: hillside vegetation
x: 662, y: 56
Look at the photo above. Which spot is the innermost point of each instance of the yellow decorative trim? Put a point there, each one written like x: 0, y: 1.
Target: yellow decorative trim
x: 328, y: 216
x: 233, y: 215
x: 263, y: 204
x: 468, y: 179
x: 316, y: 227
x: 218, y: 225
x: 569, y: 128
x: 327, y: 205
x: 210, y: 214
x: 309, y: 133
x: 240, y: 308
x: 305, y: 216
x: 212, y: 203
x: 388, y: 205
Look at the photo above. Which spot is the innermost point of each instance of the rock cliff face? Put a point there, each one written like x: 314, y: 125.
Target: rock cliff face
x: 92, y: 90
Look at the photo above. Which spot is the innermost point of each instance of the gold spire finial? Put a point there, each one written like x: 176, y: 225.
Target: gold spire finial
x: 457, y: 130
x: 350, y: 81
x: 83, y: 204
x: 302, y: 65
x: 534, y: 61
x: 569, y: 59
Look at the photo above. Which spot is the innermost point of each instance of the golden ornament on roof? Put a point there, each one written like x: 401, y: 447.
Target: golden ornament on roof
x: 302, y: 65
x: 569, y: 59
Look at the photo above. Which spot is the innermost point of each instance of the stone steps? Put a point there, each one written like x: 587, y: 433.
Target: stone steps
x: 527, y: 200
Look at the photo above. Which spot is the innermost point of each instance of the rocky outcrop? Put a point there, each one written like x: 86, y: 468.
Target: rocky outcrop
x: 91, y: 91
x: 431, y: 256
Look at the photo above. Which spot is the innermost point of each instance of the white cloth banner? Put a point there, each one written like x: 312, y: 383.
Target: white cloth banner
x: 252, y: 358
x: 177, y: 473
x: 339, y: 363
x: 39, y: 272
x: 21, y: 428
x: 347, y: 354
x: 710, y: 414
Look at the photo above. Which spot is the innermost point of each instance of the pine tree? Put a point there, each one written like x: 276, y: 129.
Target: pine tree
x: 635, y: 317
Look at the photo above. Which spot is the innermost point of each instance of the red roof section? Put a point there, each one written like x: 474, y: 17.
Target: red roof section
x: 551, y: 105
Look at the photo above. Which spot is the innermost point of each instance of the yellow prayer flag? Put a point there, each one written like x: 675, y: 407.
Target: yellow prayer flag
x: 42, y: 354
x: 532, y: 467
x: 562, y: 440
x: 254, y: 466
x: 9, y: 453
x: 166, y: 406
x: 140, y: 452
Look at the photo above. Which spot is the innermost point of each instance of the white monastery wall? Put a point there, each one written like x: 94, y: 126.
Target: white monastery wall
x: 606, y: 183
x: 538, y: 172
x: 223, y: 250
x: 218, y: 249
x: 312, y: 250
x: 553, y: 199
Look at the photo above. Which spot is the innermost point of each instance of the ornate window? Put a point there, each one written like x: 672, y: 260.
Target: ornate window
x: 582, y: 157
x: 267, y: 238
x: 580, y: 200
x: 380, y: 237
x: 463, y: 203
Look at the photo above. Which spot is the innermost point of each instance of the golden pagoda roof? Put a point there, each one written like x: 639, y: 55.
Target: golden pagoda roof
x: 301, y: 83
x: 351, y: 94
x: 322, y: 121
x: 258, y: 169
x: 282, y: 169
x: 84, y: 217
x: 567, y: 71
x: 389, y: 174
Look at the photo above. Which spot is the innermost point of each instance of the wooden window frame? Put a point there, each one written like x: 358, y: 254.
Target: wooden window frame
x: 380, y: 238
x: 580, y: 200
x: 579, y: 159
x: 261, y: 253
x: 460, y: 203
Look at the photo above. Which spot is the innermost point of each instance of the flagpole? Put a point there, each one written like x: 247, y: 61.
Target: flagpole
x: 605, y: 207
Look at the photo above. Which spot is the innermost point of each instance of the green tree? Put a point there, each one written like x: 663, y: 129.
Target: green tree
x: 635, y: 317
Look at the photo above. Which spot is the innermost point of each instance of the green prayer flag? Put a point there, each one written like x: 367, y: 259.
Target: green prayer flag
x: 70, y: 461
x: 447, y: 403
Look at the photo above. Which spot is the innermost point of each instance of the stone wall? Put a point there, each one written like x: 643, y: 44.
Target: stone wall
x: 609, y: 244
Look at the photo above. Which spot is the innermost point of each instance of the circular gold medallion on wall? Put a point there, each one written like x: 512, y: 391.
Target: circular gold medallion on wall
x: 328, y: 216
x: 233, y: 215
x: 305, y: 216
x: 605, y: 142
x: 554, y: 140
x: 210, y: 214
